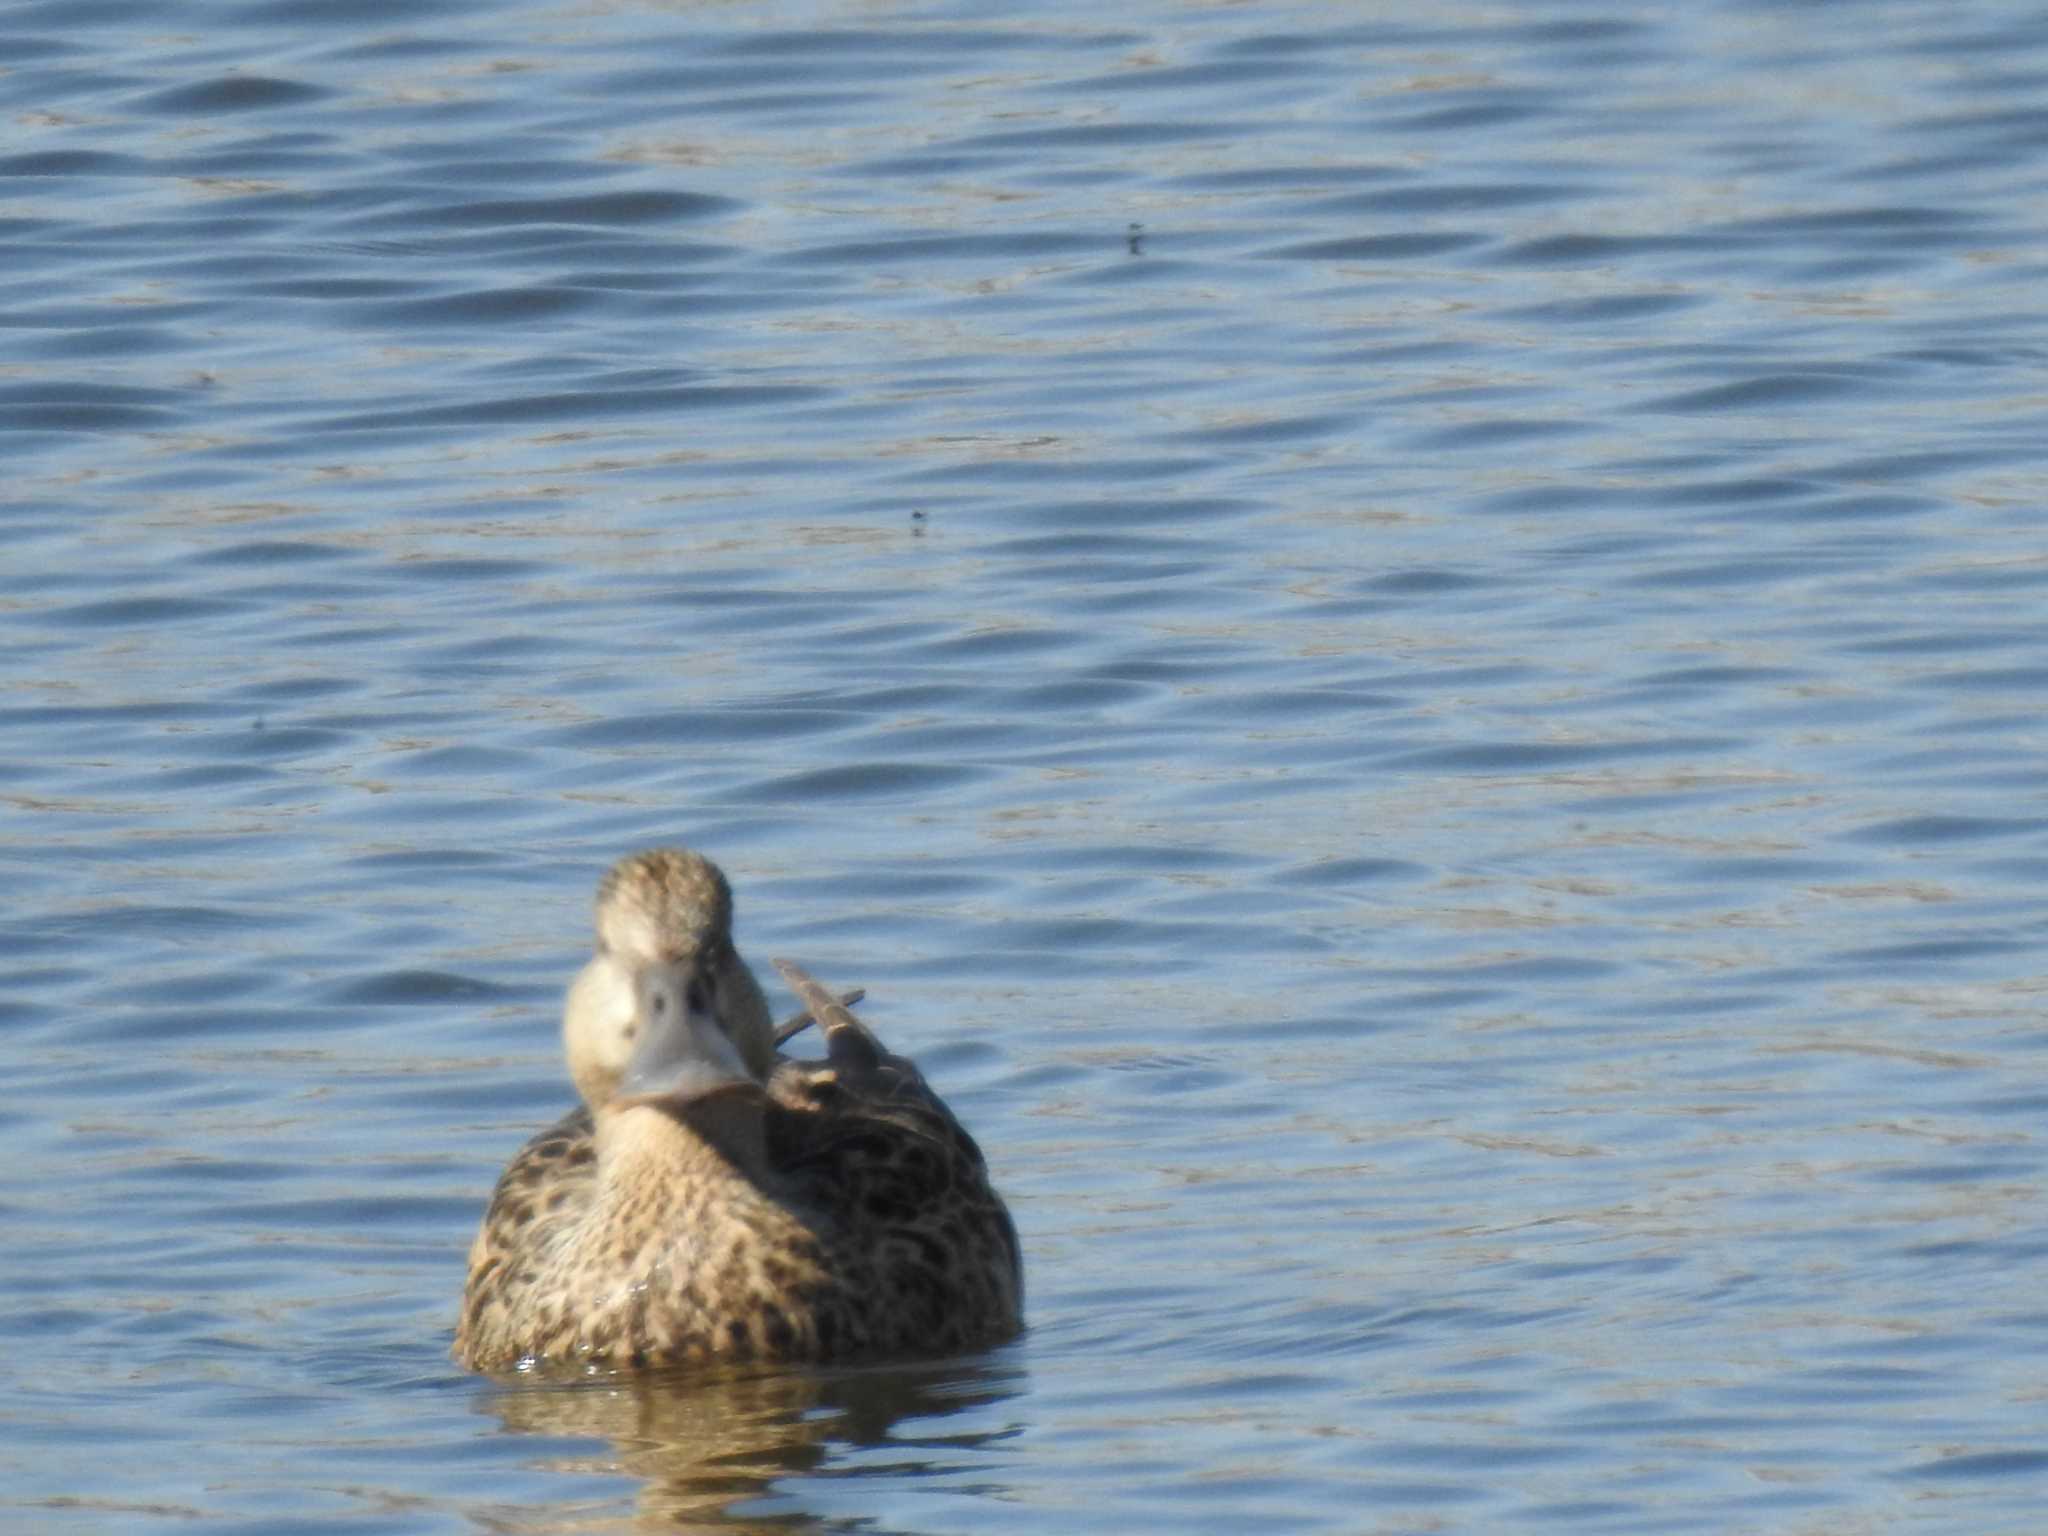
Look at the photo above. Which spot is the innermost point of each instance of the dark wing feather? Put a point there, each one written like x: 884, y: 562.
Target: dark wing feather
x: 857, y: 1060
x: 795, y: 1025
x: 863, y: 1132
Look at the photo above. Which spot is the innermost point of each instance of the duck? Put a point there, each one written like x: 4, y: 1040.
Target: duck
x: 713, y: 1201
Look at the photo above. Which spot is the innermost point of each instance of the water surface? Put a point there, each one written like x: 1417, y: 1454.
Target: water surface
x: 1404, y: 648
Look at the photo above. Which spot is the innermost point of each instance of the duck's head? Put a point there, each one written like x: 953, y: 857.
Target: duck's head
x: 666, y: 1011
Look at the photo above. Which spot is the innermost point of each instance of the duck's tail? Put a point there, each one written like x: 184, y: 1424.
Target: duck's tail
x: 849, y: 1044
x: 859, y: 1064
x: 796, y: 1024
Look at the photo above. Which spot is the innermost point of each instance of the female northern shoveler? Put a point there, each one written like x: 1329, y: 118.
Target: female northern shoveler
x: 715, y: 1201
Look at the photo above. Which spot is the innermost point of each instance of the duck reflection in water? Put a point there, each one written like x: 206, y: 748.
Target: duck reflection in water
x: 704, y: 1444
x: 714, y: 1201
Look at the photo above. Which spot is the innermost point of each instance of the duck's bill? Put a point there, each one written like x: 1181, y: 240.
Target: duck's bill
x: 685, y: 1085
x: 682, y: 1054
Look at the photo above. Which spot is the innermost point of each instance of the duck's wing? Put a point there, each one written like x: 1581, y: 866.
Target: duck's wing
x: 544, y: 1189
x: 554, y: 1174
x: 861, y: 1138
x: 857, y: 1068
x: 865, y: 1108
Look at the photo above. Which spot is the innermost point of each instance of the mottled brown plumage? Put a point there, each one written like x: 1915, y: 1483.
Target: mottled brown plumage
x: 715, y: 1201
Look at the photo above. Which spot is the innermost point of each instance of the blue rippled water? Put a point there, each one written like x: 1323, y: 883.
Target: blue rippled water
x: 1404, y: 645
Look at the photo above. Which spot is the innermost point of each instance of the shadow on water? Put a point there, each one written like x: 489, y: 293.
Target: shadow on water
x: 705, y: 1448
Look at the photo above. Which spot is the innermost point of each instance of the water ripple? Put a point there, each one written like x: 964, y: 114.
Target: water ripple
x: 1404, y: 649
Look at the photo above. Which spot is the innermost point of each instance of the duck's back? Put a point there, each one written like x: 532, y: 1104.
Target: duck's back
x: 862, y: 1136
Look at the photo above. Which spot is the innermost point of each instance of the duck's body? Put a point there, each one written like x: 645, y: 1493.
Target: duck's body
x: 713, y: 1201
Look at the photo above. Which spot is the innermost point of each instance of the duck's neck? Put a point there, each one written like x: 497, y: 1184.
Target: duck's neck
x: 649, y: 1147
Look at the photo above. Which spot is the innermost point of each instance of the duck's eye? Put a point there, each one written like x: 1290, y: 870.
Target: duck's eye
x: 698, y: 996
